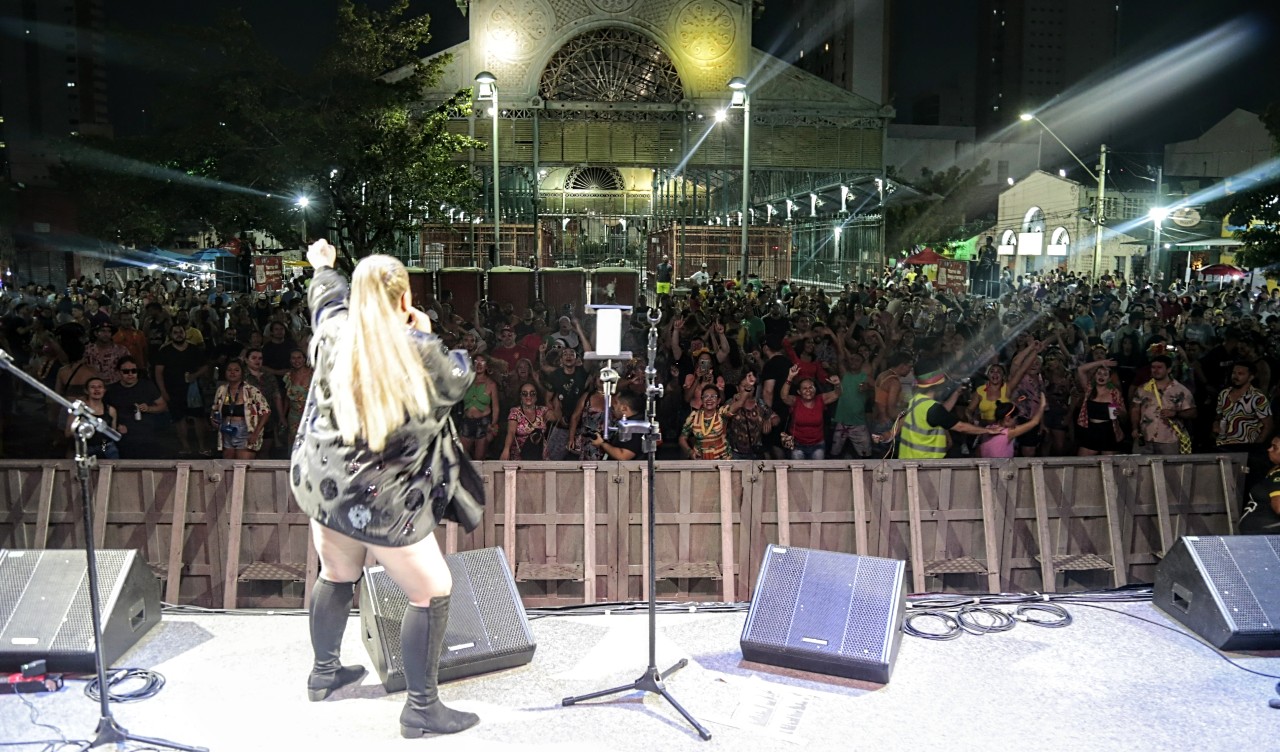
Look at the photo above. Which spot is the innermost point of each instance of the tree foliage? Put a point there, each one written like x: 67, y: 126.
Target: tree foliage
x: 938, y: 220
x: 243, y: 136
x: 1258, y: 212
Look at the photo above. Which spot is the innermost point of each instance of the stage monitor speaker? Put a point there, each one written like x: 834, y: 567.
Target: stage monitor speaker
x: 827, y: 612
x: 45, y: 612
x: 1224, y: 588
x: 487, y: 628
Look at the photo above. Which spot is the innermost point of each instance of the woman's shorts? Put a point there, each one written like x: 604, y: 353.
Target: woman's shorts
x: 474, y: 428
x: 234, y: 435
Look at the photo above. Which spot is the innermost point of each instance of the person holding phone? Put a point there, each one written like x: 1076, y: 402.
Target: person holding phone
x: 371, y: 470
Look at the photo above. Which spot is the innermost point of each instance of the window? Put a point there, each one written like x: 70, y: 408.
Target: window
x: 1033, y: 220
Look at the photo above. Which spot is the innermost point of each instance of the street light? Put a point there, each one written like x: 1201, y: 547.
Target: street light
x: 303, y: 202
x: 741, y: 99
x: 487, y: 90
x: 1100, y: 177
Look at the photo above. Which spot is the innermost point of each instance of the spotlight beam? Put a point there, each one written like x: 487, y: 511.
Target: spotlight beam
x: 107, y: 162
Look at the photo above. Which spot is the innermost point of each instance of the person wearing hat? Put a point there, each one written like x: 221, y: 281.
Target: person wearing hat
x: 926, y: 424
x: 568, y: 333
x: 103, y: 353
x: 700, y: 277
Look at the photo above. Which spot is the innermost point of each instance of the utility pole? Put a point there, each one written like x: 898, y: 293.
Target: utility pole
x: 1156, y: 270
x: 1100, y: 216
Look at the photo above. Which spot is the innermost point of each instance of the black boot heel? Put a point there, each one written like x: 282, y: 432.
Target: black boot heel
x: 409, y: 732
x: 325, y: 685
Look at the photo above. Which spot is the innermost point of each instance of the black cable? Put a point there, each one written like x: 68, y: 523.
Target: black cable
x: 1000, y: 621
x: 953, y: 626
x: 1191, y: 637
x: 1061, y: 617
x: 49, y: 745
x: 152, y: 683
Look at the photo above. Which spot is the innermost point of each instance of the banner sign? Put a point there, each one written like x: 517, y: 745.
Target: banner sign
x: 952, y: 275
x: 268, y: 273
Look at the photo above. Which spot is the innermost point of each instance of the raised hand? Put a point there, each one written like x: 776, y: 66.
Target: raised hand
x: 321, y: 254
x: 419, y: 320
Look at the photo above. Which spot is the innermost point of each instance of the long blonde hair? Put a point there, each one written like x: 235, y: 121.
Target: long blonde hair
x: 374, y: 360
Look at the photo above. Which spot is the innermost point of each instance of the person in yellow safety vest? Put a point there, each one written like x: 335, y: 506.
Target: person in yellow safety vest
x: 927, y: 422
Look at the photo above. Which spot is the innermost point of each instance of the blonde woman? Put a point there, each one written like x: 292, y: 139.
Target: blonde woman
x: 366, y: 471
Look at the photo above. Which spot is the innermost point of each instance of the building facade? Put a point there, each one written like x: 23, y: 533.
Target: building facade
x: 617, y: 141
x: 1047, y: 222
x: 52, y: 81
x: 1030, y: 51
x: 53, y: 86
x: 845, y: 43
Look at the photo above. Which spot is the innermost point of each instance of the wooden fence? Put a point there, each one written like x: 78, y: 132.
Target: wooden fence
x: 575, y: 533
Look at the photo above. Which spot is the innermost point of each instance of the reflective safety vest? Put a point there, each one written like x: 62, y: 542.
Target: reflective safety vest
x: 918, y: 440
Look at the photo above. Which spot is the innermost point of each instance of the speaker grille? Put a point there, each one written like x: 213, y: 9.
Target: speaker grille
x: 869, y: 614
x: 1224, y: 572
x: 825, y: 611
x: 16, y: 568
x: 45, y: 610
x: 481, y: 576
x: 392, y: 603
x: 777, y: 594
x: 487, y: 628
x: 76, y: 633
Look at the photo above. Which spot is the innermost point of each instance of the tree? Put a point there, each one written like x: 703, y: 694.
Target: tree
x: 245, y: 136
x: 939, y: 219
x: 1258, y: 211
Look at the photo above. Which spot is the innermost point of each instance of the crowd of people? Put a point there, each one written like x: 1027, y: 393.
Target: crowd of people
x: 181, y: 369
x: 1053, y: 364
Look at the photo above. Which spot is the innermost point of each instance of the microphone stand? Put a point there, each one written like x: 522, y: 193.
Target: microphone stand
x: 84, y: 425
x: 651, y: 680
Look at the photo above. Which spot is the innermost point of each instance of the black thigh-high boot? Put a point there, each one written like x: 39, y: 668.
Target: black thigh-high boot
x: 421, y: 642
x: 330, y: 608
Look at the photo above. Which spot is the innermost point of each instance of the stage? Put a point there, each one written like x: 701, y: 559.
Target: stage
x: 1106, y: 682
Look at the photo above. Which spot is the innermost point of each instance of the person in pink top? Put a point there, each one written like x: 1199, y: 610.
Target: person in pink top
x: 1001, y: 445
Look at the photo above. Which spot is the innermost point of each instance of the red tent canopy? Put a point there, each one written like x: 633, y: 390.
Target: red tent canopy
x: 1223, y: 270
x: 927, y: 256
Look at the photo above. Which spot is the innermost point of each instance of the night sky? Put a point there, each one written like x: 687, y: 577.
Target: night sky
x: 930, y: 39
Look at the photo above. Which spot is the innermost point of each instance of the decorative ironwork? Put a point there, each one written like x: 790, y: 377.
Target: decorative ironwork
x: 706, y: 29
x: 611, y: 65
x: 594, y: 179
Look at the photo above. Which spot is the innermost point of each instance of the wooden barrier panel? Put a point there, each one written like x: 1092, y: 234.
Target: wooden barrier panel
x: 227, y: 534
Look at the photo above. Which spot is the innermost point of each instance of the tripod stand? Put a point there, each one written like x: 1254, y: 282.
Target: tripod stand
x: 651, y: 679
x: 84, y: 425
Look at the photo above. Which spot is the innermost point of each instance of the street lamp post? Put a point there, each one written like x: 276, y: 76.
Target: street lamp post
x: 1157, y: 214
x: 488, y: 91
x: 742, y: 99
x: 1100, y: 177
x: 303, y: 202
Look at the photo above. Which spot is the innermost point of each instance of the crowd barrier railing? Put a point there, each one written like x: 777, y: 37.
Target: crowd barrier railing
x: 226, y: 534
